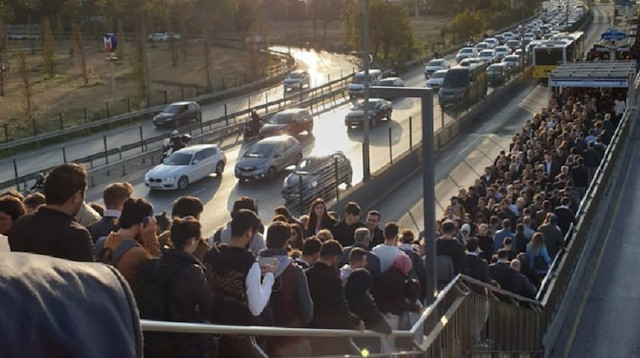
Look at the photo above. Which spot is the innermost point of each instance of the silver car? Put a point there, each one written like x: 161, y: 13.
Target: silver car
x: 269, y: 156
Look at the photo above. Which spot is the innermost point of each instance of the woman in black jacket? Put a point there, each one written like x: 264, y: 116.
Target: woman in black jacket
x: 190, y: 298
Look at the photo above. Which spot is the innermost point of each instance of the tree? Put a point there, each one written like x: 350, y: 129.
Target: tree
x: 120, y: 51
x: 48, y: 54
x: 207, y: 57
x: 27, y: 89
x: 59, y: 35
x: 79, y: 44
x: 466, y: 24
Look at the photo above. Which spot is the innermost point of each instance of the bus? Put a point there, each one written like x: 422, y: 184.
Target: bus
x: 561, y: 49
x: 463, y: 85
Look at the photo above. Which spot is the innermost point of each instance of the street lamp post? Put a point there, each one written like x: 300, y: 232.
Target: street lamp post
x: 366, y: 165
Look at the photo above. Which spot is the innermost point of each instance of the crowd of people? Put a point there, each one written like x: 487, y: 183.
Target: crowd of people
x: 326, y: 269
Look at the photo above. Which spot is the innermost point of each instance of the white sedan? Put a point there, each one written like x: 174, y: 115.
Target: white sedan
x: 435, y: 65
x: 186, y: 166
x: 436, y: 79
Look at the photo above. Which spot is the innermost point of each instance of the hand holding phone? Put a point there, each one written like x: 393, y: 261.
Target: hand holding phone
x: 268, y: 264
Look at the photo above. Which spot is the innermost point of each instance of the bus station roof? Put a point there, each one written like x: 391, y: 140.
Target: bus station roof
x: 598, y: 74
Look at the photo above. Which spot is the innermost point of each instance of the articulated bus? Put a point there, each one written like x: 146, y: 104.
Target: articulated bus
x: 562, y: 49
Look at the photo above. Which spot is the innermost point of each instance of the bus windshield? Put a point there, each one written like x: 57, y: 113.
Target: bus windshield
x: 456, y: 78
x: 548, y: 56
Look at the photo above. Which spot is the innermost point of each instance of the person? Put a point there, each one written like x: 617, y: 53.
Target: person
x: 11, y: 209
x: 477, y: 266
x: 256, y: 122
x: 189, y: 297
x: 566, y: 215
x: 137, y: 233
x: 34, y: 201
x: 235, y: 277
x: 318, y: 218
x: 503, y: 274
x: 282, y: 210
x: 324, y: 235
x: 290, y: 301
x: 418, y: 270
x: 373, y: 224
x: 52, y: 230
x: 362, y: 238
x: 38, y: 185
x: 344, y: 230
x: 330, y: 307
x: 485, y: 242
x: 187, y: 206
x: 296, y: 240
x: 554, y: 240
x: 388, y: 250
x: 520, y: 239
x: 175, y: 141
x: 99, y: 208
x: 357, y: 260
x: 539, y: 259
x: 526, y: 287
x: 223, y: 234
x: 310, y: 252
x: 87, y: 216
x: 114, y: 196
x: 448, y: 245
x: 500, y: 235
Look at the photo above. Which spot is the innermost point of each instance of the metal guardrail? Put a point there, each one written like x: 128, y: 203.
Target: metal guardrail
x: 112, y: 121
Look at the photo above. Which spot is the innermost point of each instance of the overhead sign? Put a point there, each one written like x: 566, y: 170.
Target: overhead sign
x: 613, y: 35
x: 110, y: 42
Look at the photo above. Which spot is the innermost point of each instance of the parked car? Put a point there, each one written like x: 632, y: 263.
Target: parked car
x: 497, y: 74
x: 291, y: 121
x: 267, y: 157
x: 435, y: 65
x: 502, y: 51
x: 488, y: 56
x: 466, y: 52
x: 436, y: 79
x: 177, y: 113
x: 391, y: 82
x: 186, y: 166
x: 513, y: 61
x: 173, y: 36
x: 297, y: 80
x: 379, y: 109
x: 158, y: 37
x: 317, y: 176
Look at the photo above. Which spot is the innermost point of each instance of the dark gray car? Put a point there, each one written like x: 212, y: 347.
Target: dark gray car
x: 268, y: 157
x: 317, y: 176
x: 178, y: 113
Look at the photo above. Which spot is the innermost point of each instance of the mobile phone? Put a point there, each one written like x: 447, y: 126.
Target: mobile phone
x: 264, y: 261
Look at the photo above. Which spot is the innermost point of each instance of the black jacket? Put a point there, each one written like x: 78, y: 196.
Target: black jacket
x: 344, y: 233
x: 454, y: 249
x: 478, y: 268
x: 190, y: 299
x: 505, y: 276
x: 373, y: 261
x: 580, y: 176
x: 566, y: 217
x: 553, y: 238
x: 357, y: 290
x: 103, y: 227
x: 330, y: 307
x: 53, y: 233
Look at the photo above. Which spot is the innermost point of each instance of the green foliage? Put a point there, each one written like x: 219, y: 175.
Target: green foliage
x: 48, y: 54
x: 465, y: 25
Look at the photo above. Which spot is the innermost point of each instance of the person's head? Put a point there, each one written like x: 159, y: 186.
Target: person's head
x: 296, y: 239
x: 185, y: 233
x: 472, y: 244
x: 115, y: 194
x: 311, y: 250
x: 503, y: 254
x: 515, y: 264
x: 551, y: 218
x: 330, y: 252
x: 357, y: 258
x: 187, y: 206
x: 65, y: 187
x: 282, y: 210
x: 362, y: 236
x: 318, y: 210
x: 390, y: 233
x: 506, y: 224
x: 11, y: 208
x: 407, y: 236
x: 324, y: 235
x: 373, y: 219
x: 135, y: 212
x: 520, y: 228
x: 244, y: 202
x: 506, y: 243
x: 33, y: 201
x: 465, y: 230
x: 12, y: 192
x: 537, y: 240
x: 163, y: 222
x: 244, y: 224
x: 279, y: 218
x: 351, y: 213
x: 403, y: 263
x: 448, y: 228
x: 278, y: 235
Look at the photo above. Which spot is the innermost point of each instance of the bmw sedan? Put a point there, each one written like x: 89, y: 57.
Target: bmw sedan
x: 379, y: 109
x: 186, y: 166
x: 267, y: 157
x: 317, y: 176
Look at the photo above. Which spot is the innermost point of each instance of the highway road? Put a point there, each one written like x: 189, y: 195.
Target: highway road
x: 321, y: 65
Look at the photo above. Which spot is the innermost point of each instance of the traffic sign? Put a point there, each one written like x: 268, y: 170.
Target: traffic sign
x: 110, y: 42
x: 613, y: 35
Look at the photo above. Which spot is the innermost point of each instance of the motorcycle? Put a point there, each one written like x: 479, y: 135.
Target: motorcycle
x: 38, y: 186
x: 169, y: 145
x: 251, y: 130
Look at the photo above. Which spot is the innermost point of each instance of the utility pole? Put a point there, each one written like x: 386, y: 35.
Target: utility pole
x: 145, y: 58
x: 366, y: 165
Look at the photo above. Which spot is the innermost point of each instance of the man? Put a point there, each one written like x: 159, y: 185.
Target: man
x: 373, y: 224
x: 388, y: 250
x: 310, y: 252
x: 131, y: 247
x: 526, y: 287
x: 418, y: 271
x: 448, y: 245
x: 223, y: 234
x: 488, y: 178
x: 553, y: 237
x: 566, y: 216
x: 344, y: 230
x: 500, y: 235
x: 503, y: 274
x: 114, y: 196
x: 477, y: 267
x: 52, y: 230
x: 291, y: 303
x: 236, y: 279
x: 551, y: 166
x: 182, y: 207
x: 357, y: 260
x: 362, y: 239
x: 330, y: 308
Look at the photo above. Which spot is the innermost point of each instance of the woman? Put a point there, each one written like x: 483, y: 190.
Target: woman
x: 11, y: 208
x: 296, y: 240
x: 318, y: 218
x: 539, y: 259
x: 190, y: 298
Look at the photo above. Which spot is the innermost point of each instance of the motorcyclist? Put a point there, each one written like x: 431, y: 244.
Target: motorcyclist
x: 396, y: 68
x: 39, y: 184
x: 256, y: 122
x: 176, y: 142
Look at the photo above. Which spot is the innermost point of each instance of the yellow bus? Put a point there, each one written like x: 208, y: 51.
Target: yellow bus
x: 562, y: 49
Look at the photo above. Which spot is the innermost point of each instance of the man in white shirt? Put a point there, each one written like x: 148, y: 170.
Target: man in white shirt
x: 388, y: 250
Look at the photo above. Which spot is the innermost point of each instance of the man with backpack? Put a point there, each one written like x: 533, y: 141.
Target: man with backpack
x: 448, y: 245
x: 134, y: 244
x: 223, y: 234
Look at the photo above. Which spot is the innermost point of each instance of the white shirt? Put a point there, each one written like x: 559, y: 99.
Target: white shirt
x: 386, y: 253
x: 258, y: 290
